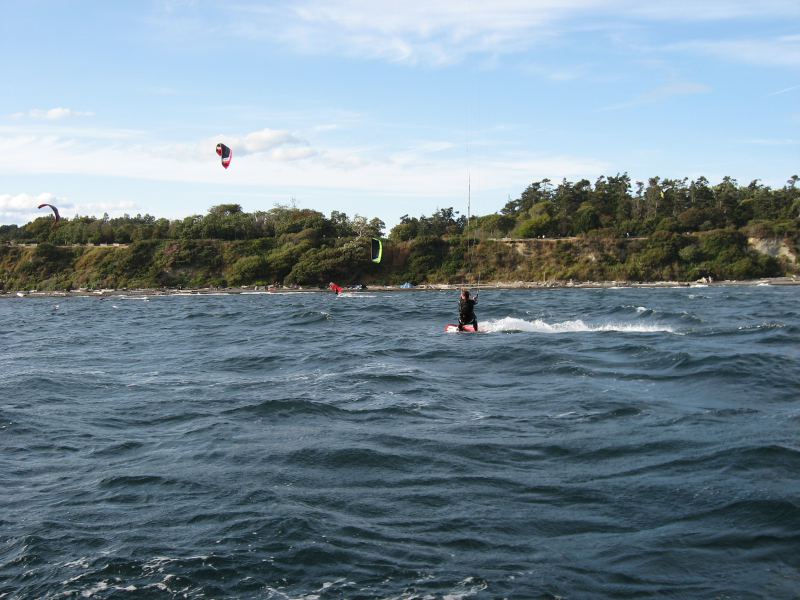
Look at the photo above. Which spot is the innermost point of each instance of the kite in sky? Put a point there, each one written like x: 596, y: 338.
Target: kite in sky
x: 55, y: 211
x: 225, y: 153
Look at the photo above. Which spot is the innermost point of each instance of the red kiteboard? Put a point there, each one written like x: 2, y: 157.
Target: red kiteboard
x: 450, y: 328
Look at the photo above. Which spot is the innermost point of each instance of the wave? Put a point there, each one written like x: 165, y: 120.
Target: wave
x: 309, y: 317
x: 117, y: 449
x: 356, y: 295
x: 631, y: 309
x: 351, y: 457
x: 761, y: 327
x: 295, y: 293
x: 243, y: 363
x: 512, y: 324
x: 286, y: 408
x: 261, y: 447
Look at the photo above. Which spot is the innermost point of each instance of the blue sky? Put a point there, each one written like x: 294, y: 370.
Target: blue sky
x: 385, y: 108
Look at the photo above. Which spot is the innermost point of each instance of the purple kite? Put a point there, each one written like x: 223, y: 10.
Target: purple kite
x: 55, y: 211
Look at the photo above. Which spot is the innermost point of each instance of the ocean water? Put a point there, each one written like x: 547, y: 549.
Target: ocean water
x: 614, y: 443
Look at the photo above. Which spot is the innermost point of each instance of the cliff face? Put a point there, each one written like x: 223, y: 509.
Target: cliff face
x: 779, y: 248
x: 141, y: 264
x: 720, y: 254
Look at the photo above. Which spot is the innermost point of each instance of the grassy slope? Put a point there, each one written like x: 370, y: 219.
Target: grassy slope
x: 722, y: 254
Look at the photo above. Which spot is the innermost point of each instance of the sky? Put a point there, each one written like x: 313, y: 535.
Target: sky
x: 383, y: 109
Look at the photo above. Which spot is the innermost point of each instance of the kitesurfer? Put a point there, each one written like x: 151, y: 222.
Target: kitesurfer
x: 466, y: 311
x: 335, y: 288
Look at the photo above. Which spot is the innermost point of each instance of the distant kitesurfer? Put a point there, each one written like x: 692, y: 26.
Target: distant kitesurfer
x: 335, y: 288
x: 466, y: 311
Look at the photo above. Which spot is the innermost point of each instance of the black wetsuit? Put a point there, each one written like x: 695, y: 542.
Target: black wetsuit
x: 466, y: 313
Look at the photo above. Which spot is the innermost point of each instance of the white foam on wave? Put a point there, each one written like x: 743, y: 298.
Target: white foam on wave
x: 639, y: 309
x: 471, y: 586
x: 577, y: 326
x: 762, y: 326
x: 101, y: 586
x: 82, y: 562
x: 356, y: 295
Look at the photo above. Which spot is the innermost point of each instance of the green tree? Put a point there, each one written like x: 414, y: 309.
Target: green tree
x: 250, y: 270
x: 586, y: 218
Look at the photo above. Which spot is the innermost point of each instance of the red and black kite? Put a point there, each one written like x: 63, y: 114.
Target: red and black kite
x: 225, y: 153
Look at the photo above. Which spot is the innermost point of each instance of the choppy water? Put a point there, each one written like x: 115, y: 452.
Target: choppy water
x: 620, y: 443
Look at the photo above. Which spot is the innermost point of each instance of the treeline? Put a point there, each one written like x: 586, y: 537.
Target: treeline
x: 222, y: 222
x: 612, y: 229
x: 296, y: 260
x: 615, y: 205
x: 620, y: 208
x: 227, y: 246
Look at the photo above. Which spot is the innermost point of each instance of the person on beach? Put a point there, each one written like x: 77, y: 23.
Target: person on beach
x: 466, y: 311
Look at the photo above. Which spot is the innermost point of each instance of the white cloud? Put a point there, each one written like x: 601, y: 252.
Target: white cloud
x: 784, y: 91
x: 161, y: 91
x: 414, y: 32
x: 265, y: 141
x: 773, y: 142
x: 20, y: 208
x: 325, y: 128
x: 447, y: 31
x: 113, y: 208
x: 75, y: 133
x: 23, y: 207
x: 268, y: 139
x: 710, y: 10
x: 434, y: 147
x: 287, y: 154
x: 424, y: 170
x: 781, y: 51
x: 52, y: 114
x: 26, y: 202
x: 567, y: 73
x: 677, y: 88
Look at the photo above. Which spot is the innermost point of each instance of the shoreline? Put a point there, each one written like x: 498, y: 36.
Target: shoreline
x: 501, y: 285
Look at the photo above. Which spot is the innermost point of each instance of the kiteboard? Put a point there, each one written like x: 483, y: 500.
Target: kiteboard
x: 450, y: 328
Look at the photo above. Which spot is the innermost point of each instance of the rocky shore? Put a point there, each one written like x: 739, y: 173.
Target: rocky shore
x: 532, y: 285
